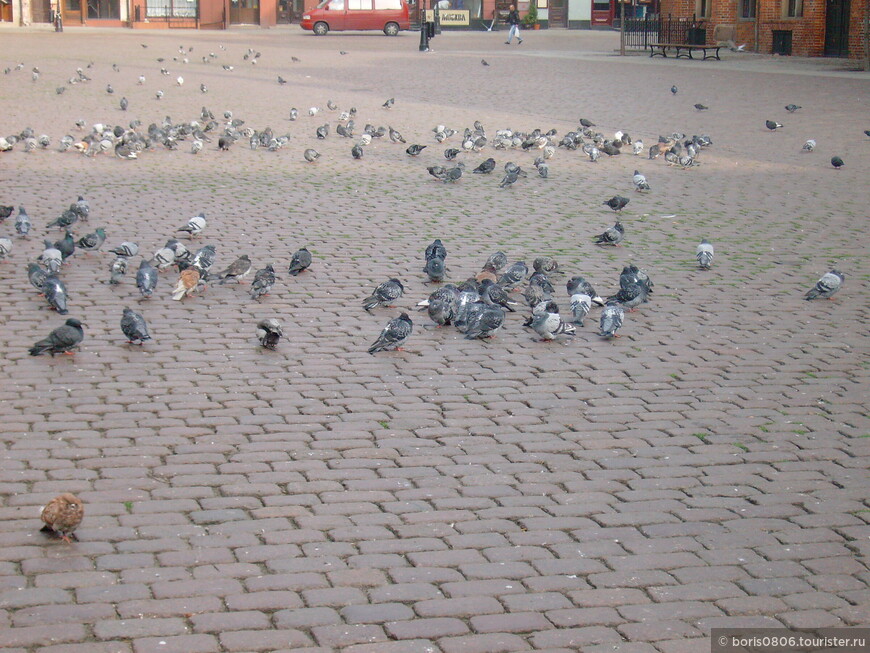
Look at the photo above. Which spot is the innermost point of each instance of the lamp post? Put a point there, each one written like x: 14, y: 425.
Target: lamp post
x: 621, y: 28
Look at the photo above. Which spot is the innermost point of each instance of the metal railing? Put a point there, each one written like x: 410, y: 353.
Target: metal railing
x: 170, y: 12
x: 641, y: 32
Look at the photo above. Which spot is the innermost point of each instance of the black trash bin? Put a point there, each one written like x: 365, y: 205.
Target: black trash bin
x: 696, y: 36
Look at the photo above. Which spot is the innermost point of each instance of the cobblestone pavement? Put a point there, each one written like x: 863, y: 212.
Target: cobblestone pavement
x: 707, y: 469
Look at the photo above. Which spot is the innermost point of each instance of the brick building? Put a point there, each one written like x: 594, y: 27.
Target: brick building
x: 810, y: 28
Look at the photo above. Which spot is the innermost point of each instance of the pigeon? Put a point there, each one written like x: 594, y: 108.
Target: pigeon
x: 513, y: 276
x: 701, y: 107
x: 93, y: 241
x: 66, y: 219
x: 546, y: 265
x: 52, y: 257
x: 22, y: 222
x: 389, y: 103
x: 509, y: 179
x: 496, y: 261
x: 134, y: 327
x: 586, y: 123
x: 281, y: 80
x: 36, y: 275
x: 196, y: 146
x: 356, y: 152
x: 451, y: 153
x: 617, y: 202
x: 195, y: 225
x: 484, y: 62
x: 188, y: 283
x: 5, y: 247
x: 61, y: 340
x: 300, y: 262
x: 442, y: 310
x: 611, y: 236
x: 269, y: 332
x: 809, y: 146
x: 263, y: 281
x: 204, y: 259
x: 238, y: 269
x: 294, y: 113
x: 632, y: 274
x: 388, y: 291
x: 580, y: 306
x: 124, y: 104
x: 224, y: 143
x: 579, y: 285
x: 791, y: 108
x: 66, y: 245
x: 640, y: 182
x: 493, y: 294
x: 483, y: 320
x: 396, y: 137
x: 837, y: 162
x: 117, y: 270
x: 434, y: 269
x: 549, y: 325
x: 311, y: 155
x: 81, y: 208
x: 611, y: 320
x: 182, y: 254
x: 630, y: 295
x: 55, y: 293
x: 827, y: 286
x: 436, y: 250
x: 772, y: 125
x: 126, y: 249
x: 540, y: 279
x: 5, y: 212
x: 543, y: 170
x: 146, y: 278
x: 704, y: 254
x: 163, y: 258
x: 414, y: 150
x: 63, y: 514
x: 322, y: 132
x: 485, y: 168
x: 674, y: 89
x: 395, y: 334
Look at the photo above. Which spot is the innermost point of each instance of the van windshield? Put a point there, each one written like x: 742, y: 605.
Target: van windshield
x: 332, y: 4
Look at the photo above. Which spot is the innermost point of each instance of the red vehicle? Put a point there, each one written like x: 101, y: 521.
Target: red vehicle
x: 337, y: 15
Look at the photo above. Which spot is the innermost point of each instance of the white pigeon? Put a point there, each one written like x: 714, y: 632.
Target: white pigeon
x: 640, y: 182
x: 180, y: 80
x: 637, y: 148
x: 580, y: 305
x: 5, y: 247
x: 809, y: 146
x: 195, y: 225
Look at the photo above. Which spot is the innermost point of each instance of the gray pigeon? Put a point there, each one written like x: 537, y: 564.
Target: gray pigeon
x: 117, y: 270
x: 37, y: 276
x: 311, y: 155
x: 549, y: 325
x: 22, y: 222
x: 126, y: 249
x: 269, y: 332
x: 146, y: 278
x: 395, y: 334
x: 436, y: 249
x: 195, y: 225
x: 630, y: 295
x: 163, y: 258
x: 611, y: 236
x: 300, y: 262
x: 611, y: 320
x: 5, y: 247
x: 238, y: 269
x: 52, y: 257
x: 772, y: 125
x: 618, y: 202
x: 496, y: 261
x: 495, y: 295
x: 579, y: 285
x: 434, y: 269
x: 92, y: 241
x: 485, y: 168
x: 827, y: 286
x: 704, y: 254
x: 546, y: 264
x: 263, y: 281
x: 483, y: 320
x: 580, y: 305
x: 55, y: 293
x: 134, y: 327
x: 442, y: 311
x: 640, y: 182
x: 61, y: 340
x: 513, y: 276
x: 384, y: 294
x: 66, y: 219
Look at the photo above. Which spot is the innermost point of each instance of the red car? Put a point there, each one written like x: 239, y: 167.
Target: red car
x: 337, y: 15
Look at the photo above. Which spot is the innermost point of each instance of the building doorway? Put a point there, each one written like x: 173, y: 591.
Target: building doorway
x: 245, y: 12
x: 837, y: 28
x: 558, y: 13
x: 40, y: 11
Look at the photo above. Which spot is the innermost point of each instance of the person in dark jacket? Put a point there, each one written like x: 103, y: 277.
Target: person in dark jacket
x: 513, y: 20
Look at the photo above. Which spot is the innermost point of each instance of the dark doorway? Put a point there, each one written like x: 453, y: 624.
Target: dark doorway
x: 837, y: 28
x: 558, y: 16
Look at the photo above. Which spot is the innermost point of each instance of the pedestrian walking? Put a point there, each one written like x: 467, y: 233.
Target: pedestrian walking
x: 513, y: 20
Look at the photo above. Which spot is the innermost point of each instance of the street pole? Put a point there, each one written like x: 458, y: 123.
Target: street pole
x: 867, y: 35
x: 622, y: 28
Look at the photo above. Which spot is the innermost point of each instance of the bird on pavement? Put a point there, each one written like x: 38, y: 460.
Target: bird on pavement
x: 704, y: 253
x: 837, y: 162
x: 387, y: 292
x: 117, y: 270
x: 189, y: 281
x: 134, y: 327
x: 146, y: 278
x: 611, y: 236
x: 772, y: 125
x: 611, y: 320
x: 62, y: 516
x: 640, y: 182
x: 827, y: 286
x: 238, y: 269
x: 61, y: 340
x: 394, y: 335
x: 300, y: 262
x: 269, y: 332
x: 195, y: 225
x: 126, y: 249
x: 548, y: 324
x: 264, y: 279
x: 617, y: 202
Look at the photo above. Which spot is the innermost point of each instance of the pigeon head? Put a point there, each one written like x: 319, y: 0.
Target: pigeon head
x: 396, y: 281
x: 74, y: 323
x: 405, y: 318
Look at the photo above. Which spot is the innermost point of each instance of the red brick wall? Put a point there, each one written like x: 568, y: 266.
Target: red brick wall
x: 808, y: 32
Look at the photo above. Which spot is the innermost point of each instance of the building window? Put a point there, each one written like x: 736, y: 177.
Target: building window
x: 702, y: 8
x: 793, y: 8
x: 171, y: 8
x: 747, y: 8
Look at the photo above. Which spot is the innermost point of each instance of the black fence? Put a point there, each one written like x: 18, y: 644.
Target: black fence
x: 641, y: 32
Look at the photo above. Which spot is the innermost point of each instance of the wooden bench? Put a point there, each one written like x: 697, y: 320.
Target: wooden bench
x: 683, y: 50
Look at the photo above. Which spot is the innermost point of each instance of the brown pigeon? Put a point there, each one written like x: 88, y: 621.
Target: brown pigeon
x: 62, y: 515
